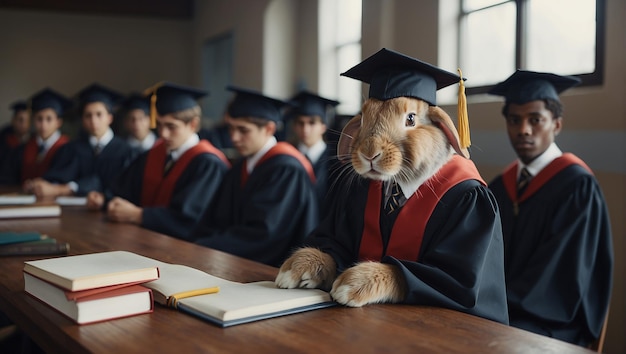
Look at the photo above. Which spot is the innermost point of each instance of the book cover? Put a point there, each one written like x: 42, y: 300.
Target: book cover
x: 29, y: 211
x: 250, y: 302
x: 92, y: 305
x: 9, y: 237
x: 47, y: 246
x: 94, y: 270
x: 234, y: 303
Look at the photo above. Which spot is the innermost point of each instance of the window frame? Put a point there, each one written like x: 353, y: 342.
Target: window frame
x: 588, y: 79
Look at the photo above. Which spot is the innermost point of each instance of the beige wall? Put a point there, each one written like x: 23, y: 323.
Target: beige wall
x: 70, y: 51
x: 246, y: 20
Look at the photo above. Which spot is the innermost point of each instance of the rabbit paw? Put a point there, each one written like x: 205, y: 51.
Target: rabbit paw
x: 367, y: 283
x: 307, y: 268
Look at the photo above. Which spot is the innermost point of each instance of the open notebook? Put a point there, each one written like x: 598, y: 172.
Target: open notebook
x: 234, y: 303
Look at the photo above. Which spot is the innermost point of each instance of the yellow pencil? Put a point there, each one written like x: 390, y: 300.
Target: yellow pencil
x: 172, y: 301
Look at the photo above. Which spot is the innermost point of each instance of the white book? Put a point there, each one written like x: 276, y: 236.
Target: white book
x: 71, y: 201
x: 234, y: 303
x: 17, y: 199
x: 92, y: 305
x: 29, y: 211
x: 94, y: 270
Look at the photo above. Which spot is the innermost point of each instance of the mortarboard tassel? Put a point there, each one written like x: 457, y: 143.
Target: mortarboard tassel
x: 464, y: 132
x: 153, y: 111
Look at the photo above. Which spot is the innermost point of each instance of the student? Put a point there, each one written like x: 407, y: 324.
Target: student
x: 412, y: 222
x: 137, y: 123
x: 96, y: 157
x: 267, y: 202
x: 15, y: 133
x: 167, y: 188
x: 33, y: 159
x: 309, y: 119
x: 557, y: 236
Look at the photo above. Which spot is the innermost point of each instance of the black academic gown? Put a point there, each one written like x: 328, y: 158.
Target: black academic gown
x: 325, y: 174
x: 78, y: 163
x: 267, y: 217
x: 558, y: 257
x: 11, y: 173
x: 8, y: 148
x: 460, y: 262
x: 192, y: 194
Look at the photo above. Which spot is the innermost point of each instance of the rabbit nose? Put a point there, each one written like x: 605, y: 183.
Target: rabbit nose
x: 371, y: 157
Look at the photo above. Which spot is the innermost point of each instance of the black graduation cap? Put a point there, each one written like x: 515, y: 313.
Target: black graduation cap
x: 167, y: 97
x: 48, y: 98
x: 250, y: 103
x: 137, y: 101
x: 392, y: 74
x: 98, y: 93
x: 171, y: 98
x: 525, y: 86
x: 309, y: 104
x: 18, y: 106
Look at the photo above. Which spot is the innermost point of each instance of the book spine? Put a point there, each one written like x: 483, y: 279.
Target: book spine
x: 35, y: 249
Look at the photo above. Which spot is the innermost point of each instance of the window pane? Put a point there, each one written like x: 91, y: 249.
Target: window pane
x: 471, y: 5
x: 488, y: 45
x: 349, y: 90
x: 561, y: 36
x: 348, y: 21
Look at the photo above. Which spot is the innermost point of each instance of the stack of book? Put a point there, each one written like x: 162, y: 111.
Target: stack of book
x: 93, y: 287
x: 26, y: 206
x: 30, y: 243
x: 59, y: 282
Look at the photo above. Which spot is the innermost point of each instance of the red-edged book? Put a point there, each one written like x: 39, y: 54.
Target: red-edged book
x: 92, y: 305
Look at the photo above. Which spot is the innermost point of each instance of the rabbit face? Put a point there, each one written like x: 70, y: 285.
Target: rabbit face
x: 396, y: 139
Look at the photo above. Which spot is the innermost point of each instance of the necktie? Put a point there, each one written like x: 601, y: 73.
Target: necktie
x: 40, y: 150
x: 169, y: 162
x: 395, y: 200
x: 97, y: 149
x: 522, y: 182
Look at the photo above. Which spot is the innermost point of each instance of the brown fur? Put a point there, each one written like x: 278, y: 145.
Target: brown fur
x: 379, y: 145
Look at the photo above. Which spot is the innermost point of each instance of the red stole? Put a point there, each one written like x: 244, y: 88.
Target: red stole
x: 157, y: 189
x: 281, y: 148
x: 31, y: 167
x: 408, y: 230
x: 509, y: 176
x: 12, y: 141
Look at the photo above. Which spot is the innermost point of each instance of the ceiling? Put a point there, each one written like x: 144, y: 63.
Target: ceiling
x: 172, y: 9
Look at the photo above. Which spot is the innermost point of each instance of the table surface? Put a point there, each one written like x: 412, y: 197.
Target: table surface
x: 373, y: 328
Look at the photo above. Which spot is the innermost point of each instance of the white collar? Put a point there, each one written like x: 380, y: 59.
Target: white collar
x: 106, y: 139
x: 543, y: 160
x: 192, y: 141
x: 254, y: 159
x: 314, y: 152
x: 145, y: 144
x: 47, y: 144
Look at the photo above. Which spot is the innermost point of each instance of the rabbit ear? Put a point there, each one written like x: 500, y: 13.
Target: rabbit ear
x: 442, y: 120
x: 345, y: 140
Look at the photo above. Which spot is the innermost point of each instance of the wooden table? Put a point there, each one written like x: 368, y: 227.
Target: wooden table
x: 371, y: 329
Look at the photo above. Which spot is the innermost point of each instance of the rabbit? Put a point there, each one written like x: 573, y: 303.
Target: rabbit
x: 401, y: 139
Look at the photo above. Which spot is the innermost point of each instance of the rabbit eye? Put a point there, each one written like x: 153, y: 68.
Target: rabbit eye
x: 410, y: 120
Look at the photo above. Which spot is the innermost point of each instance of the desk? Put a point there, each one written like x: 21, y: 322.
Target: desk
x: 374, y: 328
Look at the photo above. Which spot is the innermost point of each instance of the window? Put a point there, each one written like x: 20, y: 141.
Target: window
x: 497, y: 37
x: 340, y: 49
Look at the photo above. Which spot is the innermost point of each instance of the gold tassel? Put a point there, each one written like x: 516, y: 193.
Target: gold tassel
x: 464, y: 131
x: 153, y: 111
x: 152, y: 91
